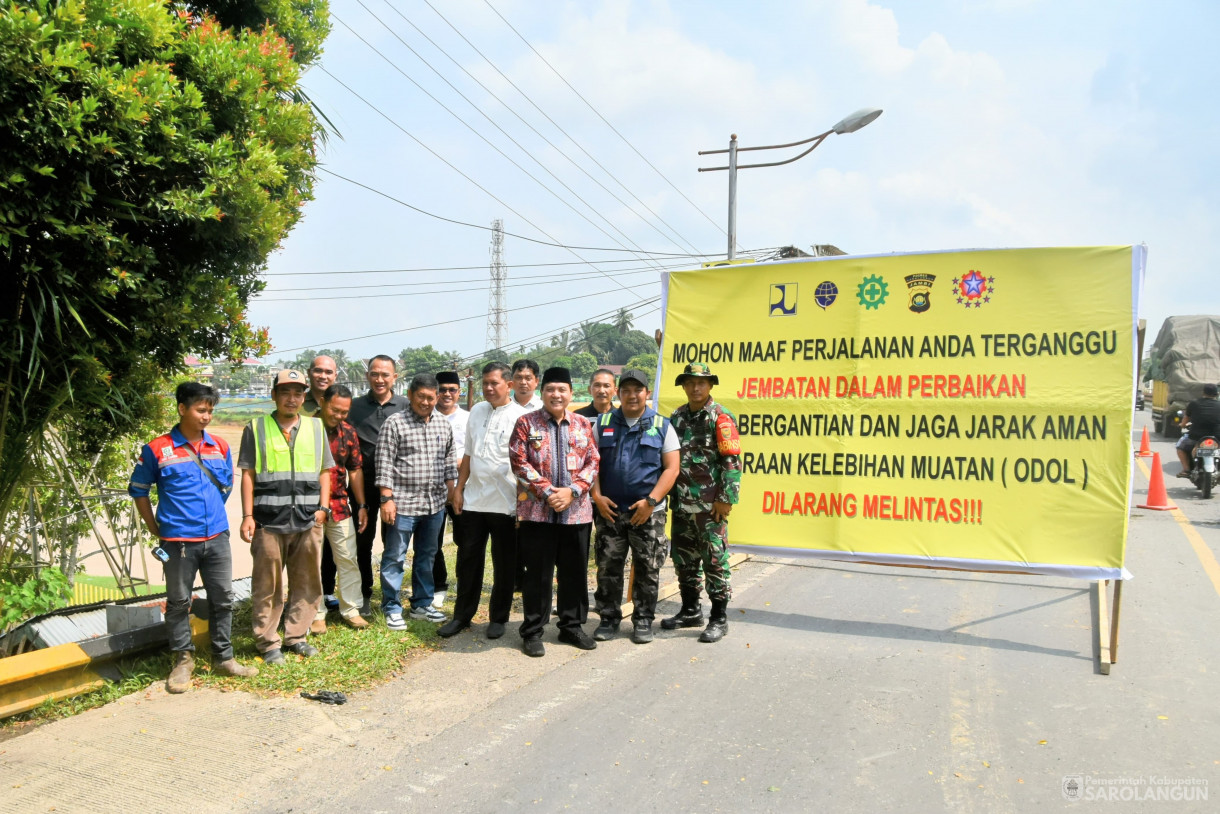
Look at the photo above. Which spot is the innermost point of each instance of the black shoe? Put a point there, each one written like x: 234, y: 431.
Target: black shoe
x: 451, y: 628
x: 577, y: 638
x: 691, y: 614
x: 717, y: 623
x: 605, y: 631
x: 533, y: 647
x: 642, y: 631
x: 366, y: 610
x: 275, y: 656
x: 495, y: 630
x: 302, y: 649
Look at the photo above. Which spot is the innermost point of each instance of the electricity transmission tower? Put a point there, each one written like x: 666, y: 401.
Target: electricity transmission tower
x: 497, y: 320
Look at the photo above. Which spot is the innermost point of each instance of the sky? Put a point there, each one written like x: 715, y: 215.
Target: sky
x: 1006, y: 124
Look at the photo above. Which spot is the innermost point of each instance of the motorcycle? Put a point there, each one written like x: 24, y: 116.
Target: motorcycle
x: 1203, y: 471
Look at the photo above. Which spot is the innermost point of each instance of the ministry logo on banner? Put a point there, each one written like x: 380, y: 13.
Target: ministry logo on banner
x: 783, y: 300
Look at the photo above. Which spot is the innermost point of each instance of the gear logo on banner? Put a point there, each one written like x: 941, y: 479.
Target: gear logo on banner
x: 872, y: 291
x: 783, y: 300
x: 973, y: 289
x: 920, y: 286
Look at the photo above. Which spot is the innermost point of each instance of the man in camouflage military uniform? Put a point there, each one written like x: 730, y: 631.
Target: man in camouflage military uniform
x: 709, y: 481
x: 639, y: 463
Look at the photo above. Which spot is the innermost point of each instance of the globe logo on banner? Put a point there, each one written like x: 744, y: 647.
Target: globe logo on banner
x: 825, y: 294
x: 783, y: 300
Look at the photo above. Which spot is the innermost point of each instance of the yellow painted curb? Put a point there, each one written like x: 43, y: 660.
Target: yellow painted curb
x: 28, y: 679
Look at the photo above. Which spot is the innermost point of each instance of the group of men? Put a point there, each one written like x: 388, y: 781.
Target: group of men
x: 519, y: 470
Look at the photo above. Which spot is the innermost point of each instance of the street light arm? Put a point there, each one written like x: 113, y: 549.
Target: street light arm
x: 817, y: 138
x: 816, y: 141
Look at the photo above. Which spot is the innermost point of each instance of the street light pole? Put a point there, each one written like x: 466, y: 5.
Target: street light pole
x: 850, y: 124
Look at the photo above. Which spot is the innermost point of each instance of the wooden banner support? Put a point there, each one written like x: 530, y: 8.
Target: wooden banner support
x: 1107, y: 625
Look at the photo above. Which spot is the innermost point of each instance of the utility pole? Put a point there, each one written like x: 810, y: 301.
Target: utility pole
x: 497, y: 320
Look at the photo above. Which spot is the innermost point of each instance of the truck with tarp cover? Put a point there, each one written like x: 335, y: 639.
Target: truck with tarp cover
x: 1185, y: 356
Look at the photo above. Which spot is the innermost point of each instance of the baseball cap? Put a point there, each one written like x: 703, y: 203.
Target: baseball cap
x: 290, y: 377
x: 633, y: 376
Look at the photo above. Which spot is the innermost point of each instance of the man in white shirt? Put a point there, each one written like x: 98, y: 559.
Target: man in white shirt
x: 447, y: 408
x: 486, y: 501
x: 524, y: 382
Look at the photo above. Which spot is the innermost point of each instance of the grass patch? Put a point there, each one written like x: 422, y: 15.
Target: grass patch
x: 110, y: 582
x: 348, y: 660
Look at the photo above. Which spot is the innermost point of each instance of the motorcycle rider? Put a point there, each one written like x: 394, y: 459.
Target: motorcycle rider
x: 1202, y: 418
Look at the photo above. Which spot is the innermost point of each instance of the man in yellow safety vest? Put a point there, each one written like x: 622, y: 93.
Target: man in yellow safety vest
x: 285, y: 499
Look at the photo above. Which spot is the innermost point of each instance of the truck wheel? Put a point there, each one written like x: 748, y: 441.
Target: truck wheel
x: 1168, y: 429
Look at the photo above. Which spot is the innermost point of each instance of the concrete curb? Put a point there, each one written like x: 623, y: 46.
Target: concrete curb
x: 30, y: 679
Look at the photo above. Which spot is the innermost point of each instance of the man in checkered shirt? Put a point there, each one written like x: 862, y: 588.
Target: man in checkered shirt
x: 416, y: 475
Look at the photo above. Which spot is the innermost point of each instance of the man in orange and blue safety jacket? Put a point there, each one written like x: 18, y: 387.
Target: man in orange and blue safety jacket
x: 193, y: 474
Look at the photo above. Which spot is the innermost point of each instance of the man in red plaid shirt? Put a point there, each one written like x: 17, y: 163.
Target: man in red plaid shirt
x: 340, y: 529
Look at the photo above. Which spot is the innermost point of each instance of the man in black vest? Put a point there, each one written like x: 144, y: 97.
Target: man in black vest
x: 639, y: 464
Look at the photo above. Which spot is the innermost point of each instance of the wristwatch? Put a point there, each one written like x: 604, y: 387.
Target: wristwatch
x: 652, y: 501
x: 329, y: 512
x: 360, y: 506
x: 386, y: 499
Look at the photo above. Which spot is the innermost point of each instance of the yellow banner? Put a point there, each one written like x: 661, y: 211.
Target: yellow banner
x: 955, y: 409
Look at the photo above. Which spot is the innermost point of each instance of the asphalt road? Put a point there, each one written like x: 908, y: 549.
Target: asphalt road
x: 839, y: 688
x: 852, y: 688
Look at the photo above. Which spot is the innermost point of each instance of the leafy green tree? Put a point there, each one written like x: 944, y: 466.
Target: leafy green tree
x: 623, y: 320
x: 424, y: 360
x: 631, y: 344
x: 152, y: 155
x: 646, y: 362
x: 582, y: 367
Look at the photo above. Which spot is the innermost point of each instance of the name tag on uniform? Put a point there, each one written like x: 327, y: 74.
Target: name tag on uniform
x: 573, y: 462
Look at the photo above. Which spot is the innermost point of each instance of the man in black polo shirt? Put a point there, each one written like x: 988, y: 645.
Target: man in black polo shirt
x: 1204, y: 417
x: 602, y: 390
x: 367, y: 415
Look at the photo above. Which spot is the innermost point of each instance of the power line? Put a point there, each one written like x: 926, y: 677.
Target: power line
x: 459, y: 172
x: 603, y: 118
x: 398, y: 294
x: 455, y: 268
x: 545, y: 278
x: 335, y: 342
x: 535, y: 130
x: 484, y: 138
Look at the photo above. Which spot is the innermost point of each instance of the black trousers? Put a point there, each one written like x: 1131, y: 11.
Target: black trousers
x: 470, y: 532
x: 440, y: 571
x: 550, y: 552
x: 364, y: 540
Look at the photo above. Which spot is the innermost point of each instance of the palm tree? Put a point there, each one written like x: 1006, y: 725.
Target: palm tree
x: 622, y: 321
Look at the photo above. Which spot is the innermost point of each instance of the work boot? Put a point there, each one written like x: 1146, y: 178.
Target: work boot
x: 230, y: 667
x: 717, y: 622
x: 691, y: 614
x: 180, y: 677
x: 605, y: 631
x: 642, y: 631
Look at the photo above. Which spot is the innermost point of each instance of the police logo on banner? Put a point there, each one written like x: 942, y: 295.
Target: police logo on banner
x: 920, y: 286
x: 783, y: 300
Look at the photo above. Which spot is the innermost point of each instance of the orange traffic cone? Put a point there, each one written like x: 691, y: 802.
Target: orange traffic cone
x: 1157, y: 499
x: 1145, y: 450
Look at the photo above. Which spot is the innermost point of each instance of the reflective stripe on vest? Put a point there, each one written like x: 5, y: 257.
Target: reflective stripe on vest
x: 630, y: 456
x: 286, y: 477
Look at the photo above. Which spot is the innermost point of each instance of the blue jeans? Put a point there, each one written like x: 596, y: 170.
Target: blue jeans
x: 393, y: 559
